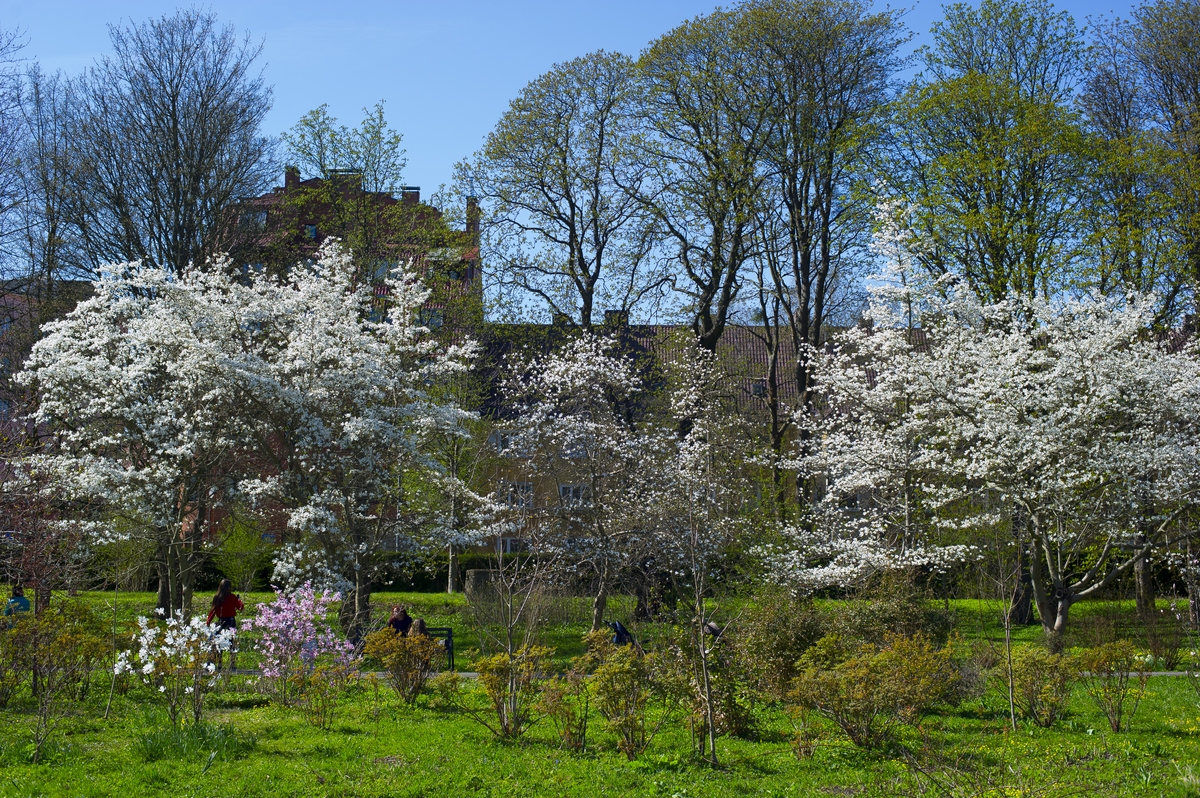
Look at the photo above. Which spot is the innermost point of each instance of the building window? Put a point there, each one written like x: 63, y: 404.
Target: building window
x: 513, y: 545
x: 518, y: 495
x: 572, y: 495
x: 310, y: 232
x: 431, y: 318
x: 505, y: 443
x: 254, y: 220
x: 758, y: 388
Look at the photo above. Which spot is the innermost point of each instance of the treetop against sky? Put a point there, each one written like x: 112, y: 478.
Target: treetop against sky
x: 446, y: 70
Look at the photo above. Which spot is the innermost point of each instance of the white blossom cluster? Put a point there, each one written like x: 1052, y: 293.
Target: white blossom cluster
x: 1069, y: 421
x: 307, y: 395
x: 175, y: 657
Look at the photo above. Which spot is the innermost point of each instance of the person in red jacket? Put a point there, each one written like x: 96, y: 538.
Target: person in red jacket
x: 225, y: 607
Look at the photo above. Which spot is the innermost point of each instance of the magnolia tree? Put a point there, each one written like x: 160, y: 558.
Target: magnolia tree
x: 175, y: 655
x: 339, y: 398
x: 306, y: 396
x: 294, y: 632
x: 1068, y: 422
x: 134, y: 386
x: 692, y: 496
x: 579, y: 433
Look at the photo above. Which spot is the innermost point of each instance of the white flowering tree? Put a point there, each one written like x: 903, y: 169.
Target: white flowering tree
x: 1070, y: 422
x: 307, y: 396
x: 693, y: 496
x: 580, y: 435
x: 141, y: 414
x: 338, y: 393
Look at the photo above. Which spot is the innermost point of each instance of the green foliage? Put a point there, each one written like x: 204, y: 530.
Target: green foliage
x: 64, y: 648
x: 770, y: 636
x: 625, y: 684
x: 513, y: 684
x: 894, y: 606
x: 242, y: 554
x: 407, y: 661
x: 1042, y: 683
x: 566, y: 701
x: 1115, y: 676
x: 320, y: 691
x: 14, y: 656
x: 868, y: 690
x: 194, y: 741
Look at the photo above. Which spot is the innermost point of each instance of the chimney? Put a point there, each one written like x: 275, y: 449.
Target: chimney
x: 410, y: 195
x: 616, y: 318
x: 291, y: 177
x: 473, y: 218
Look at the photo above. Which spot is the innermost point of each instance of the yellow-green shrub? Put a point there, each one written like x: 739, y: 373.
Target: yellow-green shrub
x: 868, y: 690
x: 1042, y: 683
x: 407, y: 661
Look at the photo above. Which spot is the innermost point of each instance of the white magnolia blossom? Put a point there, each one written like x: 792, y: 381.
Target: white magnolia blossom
x: 1068, y: 420
x: 307, y: 396
x: 580, y: 430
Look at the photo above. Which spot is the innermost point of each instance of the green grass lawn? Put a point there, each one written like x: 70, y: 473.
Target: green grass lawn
x: 377, y: 747
x: 425, y: 751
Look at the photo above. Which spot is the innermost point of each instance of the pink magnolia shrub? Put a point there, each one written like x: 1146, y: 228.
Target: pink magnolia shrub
x: 295, y: 632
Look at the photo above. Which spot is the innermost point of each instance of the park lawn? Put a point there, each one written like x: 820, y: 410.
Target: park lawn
x: 426, y: 751
x: 569, y: 617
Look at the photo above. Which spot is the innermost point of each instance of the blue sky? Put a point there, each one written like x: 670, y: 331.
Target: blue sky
x: 447, y: 70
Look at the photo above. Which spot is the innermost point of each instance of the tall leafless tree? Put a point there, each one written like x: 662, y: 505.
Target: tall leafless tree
x: 166, y: 137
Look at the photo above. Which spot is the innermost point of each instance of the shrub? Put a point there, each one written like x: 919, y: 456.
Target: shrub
x: 15, y: 665
x: 174, y: 657
x: 295, y: 633
x: 1042, y: 683
x: 63, y: 649
x: 893, y: 606
x: 320, y: 692
x: 512, y: 684
x: 625, y: 682
x: 868, y: 690
x: 566, y: 700
x: 1108, y: 672
x: 769, y: 637
x: 407, y: 661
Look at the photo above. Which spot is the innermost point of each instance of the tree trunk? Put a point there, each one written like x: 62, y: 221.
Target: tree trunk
x: 599, y: 604
x: 452, y: 572
x: 1053, y: 603
x: 1144, y: 581
x: 164, y: 580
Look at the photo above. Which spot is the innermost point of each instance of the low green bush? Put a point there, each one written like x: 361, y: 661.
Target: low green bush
x: 1115, y: 676
x: 408, y: 661
x: 892, y: 606
x: 769, y: 637
x: 869, y: 690
x: 1042, y: 683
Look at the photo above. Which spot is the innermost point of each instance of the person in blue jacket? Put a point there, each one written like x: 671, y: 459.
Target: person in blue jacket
x: 18, y: 603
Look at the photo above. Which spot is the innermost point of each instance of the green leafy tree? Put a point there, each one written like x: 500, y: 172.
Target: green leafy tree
x: 556, y: 179
x: 986, y: 155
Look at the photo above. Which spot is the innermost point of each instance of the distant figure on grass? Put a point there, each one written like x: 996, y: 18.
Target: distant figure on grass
x: 225, y: 607
x: 621, y: 635
x: 18, y: 603
x: 400, y: 622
